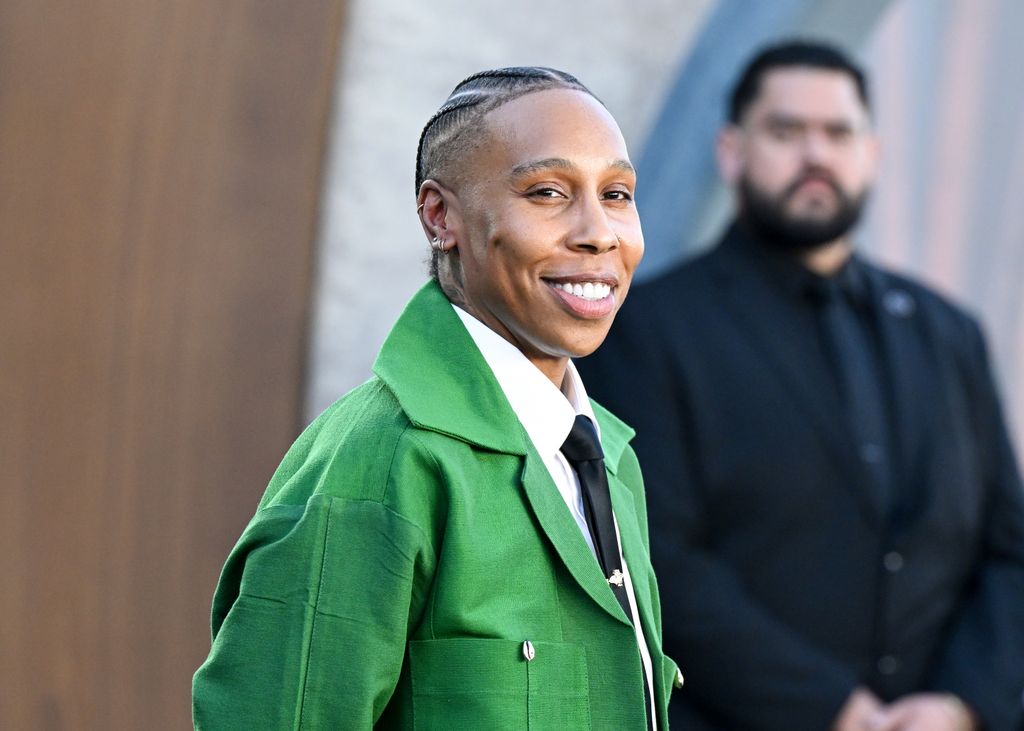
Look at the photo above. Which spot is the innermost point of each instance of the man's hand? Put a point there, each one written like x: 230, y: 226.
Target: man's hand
x: 861, y: 712
x: 928, y: 712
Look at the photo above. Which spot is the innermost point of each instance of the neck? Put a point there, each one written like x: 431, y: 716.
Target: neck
x: 827, y: 259
x: 553, y: 368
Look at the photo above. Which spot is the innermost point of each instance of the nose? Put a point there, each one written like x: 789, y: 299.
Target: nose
x: 816, y: 147
x: 592, y: 230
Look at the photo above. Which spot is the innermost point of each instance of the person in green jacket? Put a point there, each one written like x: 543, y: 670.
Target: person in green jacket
x: 437, y: 550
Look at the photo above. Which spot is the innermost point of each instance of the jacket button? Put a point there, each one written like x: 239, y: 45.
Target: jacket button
x: 678, y: 680
x: 871, y: 453
x: 893, y: 561
x: 528, y: 652
x: 888, y: 664
x: 899, y: 303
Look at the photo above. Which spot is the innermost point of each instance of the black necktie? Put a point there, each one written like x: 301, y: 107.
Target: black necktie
x: 857, y: 373
x: 583, y: 451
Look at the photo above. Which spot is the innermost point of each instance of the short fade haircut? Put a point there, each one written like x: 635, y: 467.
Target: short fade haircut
x: 449, y: 133
x: 792, y: 54
x: 470, y: 100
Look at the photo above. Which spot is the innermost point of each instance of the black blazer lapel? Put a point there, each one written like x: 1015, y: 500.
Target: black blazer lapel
x: 908, y: 363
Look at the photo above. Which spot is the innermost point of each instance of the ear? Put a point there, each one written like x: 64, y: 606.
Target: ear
x: 436, y: 206
x: 874, y: 155
x: 729, y: 153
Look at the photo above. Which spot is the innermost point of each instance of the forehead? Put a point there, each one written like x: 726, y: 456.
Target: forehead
x: 554, y: 123
x: 807, y: 93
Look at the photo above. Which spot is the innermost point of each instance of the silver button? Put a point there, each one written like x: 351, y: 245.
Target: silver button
x: 893, y: 561
x: 898, y: 303
x: 888, y: 664
x: 678, y: 680
x: 528, y: 652
x: 871, y: 453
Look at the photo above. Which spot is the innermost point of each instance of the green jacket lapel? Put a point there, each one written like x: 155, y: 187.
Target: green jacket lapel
x: 442, y: 381
x: 565, y: 535
x: 633, y: 551
x: 615, y: 436
x: 444, y: 384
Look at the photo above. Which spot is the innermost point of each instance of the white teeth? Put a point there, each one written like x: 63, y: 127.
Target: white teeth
x: 587, y: 290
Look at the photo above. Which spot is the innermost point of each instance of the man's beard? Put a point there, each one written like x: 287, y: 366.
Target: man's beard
x: 767, y: 216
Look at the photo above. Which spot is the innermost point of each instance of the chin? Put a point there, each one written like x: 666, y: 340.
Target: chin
x: 583, y: 349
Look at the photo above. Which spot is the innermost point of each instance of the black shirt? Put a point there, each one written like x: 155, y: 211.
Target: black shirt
x: 812, y: 294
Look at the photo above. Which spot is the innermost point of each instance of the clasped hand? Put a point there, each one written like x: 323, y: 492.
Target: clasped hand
x: 863, y: 711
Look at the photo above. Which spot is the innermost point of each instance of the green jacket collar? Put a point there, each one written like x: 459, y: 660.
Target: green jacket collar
x: 444, y: 384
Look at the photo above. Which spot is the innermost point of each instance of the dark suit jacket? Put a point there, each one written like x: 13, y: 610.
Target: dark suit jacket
x: 785, y: 583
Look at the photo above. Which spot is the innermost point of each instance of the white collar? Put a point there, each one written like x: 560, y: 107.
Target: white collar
x: 545, y: 412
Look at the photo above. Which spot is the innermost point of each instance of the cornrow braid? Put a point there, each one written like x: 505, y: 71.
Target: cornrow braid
x: 470, y: 100
x: 446, y: 135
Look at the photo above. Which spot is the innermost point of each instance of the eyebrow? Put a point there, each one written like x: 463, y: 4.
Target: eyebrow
x: 561, y: 163
x: 786, y: 120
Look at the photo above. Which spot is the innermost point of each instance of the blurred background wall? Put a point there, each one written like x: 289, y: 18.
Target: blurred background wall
x: 159, y: 181
x: 208, y: 228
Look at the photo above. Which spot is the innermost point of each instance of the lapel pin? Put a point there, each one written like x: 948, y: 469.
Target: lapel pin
x: 616, y: 578
x: 898, y: 303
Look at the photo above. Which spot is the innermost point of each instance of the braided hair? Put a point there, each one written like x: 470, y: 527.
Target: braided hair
x: 447, y: 134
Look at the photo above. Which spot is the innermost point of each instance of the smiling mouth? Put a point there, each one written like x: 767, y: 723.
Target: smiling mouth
x: 589, y: 299
x: 590, y: 291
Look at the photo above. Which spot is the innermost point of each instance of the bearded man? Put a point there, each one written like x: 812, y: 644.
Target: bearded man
x: 836, y: 512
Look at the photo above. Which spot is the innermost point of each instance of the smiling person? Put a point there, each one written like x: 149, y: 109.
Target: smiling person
x: 837, y: 516
x: 461, y: 542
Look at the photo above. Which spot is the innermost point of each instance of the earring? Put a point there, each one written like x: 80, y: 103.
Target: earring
x: 437, y: 244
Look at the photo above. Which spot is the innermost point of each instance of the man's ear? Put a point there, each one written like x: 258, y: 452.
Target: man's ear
x: 729, y: 153
x: 874, y: 153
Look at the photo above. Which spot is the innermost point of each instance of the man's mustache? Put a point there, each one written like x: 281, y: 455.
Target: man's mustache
x: 816, y: 174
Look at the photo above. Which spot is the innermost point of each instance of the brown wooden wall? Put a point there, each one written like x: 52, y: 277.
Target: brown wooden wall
x: 159, y: 177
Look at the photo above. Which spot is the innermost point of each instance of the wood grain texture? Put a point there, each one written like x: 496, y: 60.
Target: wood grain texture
x: 159, y: 184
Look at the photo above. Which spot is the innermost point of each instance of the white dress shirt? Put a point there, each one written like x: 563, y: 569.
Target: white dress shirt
x: 547, y: 414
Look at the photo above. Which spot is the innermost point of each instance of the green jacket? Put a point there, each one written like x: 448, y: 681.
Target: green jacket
x: 409, y: 544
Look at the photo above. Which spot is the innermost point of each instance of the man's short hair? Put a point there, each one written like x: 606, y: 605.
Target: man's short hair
x: 792, y: 54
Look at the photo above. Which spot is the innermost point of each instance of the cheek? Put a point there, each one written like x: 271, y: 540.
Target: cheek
x: 517, y: 253
x: 860, y: 170
x: 773, y: 167
x: 632, y: 250
x: 636, y: 254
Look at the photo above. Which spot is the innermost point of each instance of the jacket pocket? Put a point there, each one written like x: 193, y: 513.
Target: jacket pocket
x: 476, y: 683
